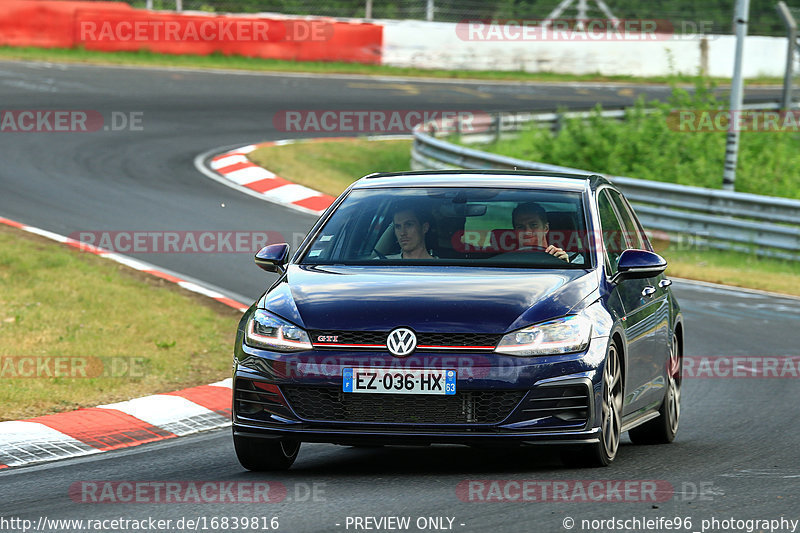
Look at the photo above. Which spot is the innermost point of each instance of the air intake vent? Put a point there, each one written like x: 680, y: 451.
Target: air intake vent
x: 555, y: 407
x: 258, y: 401
x: 332, y: 405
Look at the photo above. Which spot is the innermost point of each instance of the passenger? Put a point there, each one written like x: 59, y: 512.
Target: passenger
x: 530, y: 223
x: 410, y: 229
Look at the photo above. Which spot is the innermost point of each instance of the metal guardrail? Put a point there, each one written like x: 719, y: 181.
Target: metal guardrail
x: 720, y: 219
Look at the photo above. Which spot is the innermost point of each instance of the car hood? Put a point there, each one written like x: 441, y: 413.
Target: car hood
x: 438, y: 299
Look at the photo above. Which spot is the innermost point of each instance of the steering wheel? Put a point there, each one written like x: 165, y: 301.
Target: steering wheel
x: 519, y: 253
x: 523, y: 251
x: 532, y: 248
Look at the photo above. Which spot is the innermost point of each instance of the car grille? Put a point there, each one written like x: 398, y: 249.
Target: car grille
x: 349, y: 337
x: 332, y: 405
x: 457, y: 339
x: 378, y: 338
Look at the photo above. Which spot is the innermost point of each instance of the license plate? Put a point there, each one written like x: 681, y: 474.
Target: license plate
x: 394, y: 381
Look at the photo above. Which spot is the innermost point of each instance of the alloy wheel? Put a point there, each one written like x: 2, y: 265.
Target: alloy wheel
x: 612, y: 403
x: 673, y: 400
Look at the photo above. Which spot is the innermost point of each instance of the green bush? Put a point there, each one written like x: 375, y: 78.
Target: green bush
x: 645, y: 146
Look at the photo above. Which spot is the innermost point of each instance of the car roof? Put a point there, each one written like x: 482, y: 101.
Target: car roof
x: 482, y: 178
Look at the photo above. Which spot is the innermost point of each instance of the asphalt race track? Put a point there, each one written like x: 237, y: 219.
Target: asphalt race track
x: 737, y: 454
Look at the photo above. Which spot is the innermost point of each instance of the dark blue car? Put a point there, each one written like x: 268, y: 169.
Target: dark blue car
x: 463, y: 307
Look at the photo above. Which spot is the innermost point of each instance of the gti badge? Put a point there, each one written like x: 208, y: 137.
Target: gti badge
x: 401, y: 342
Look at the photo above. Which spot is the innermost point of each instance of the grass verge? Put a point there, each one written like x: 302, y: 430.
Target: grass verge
x: 731, y: 268
x: 129, y: 333
x: 331, y: 166
x: 219, y: 61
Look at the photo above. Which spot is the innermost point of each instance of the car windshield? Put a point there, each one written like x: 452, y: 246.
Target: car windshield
x: 454, y: 226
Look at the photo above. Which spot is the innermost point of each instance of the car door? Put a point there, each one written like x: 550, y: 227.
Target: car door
x: 658, y: 326
x: 641, y: 307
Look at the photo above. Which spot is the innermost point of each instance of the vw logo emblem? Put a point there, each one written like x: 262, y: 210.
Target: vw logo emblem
x: 401, y: 342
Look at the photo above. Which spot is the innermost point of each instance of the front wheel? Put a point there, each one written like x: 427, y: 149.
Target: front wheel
x: 662, y: 430
x: 263, y: 455
x: 604, y: 452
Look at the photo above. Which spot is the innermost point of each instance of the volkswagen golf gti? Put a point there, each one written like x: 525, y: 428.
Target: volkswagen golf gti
x: 462, y: 307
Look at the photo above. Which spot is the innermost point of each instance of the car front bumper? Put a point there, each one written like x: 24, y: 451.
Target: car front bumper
x: 500, y: 399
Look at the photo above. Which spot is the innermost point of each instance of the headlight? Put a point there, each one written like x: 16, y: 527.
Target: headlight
x: 265, y: 330
x: 564, y: 335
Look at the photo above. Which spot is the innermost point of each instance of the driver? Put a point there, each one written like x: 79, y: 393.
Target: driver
x: 410, y: 229
x: 530, y: 223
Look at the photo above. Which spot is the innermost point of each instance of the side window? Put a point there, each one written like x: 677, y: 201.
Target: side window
x: 633, y: 232
x: 639, y: 228
x: 613, y: 239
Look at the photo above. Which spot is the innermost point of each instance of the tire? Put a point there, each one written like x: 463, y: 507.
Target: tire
x: 263, y: 455
x: 662, y: 430
x: 604, y: 452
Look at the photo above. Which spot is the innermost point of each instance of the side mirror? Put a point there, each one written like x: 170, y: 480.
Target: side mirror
x: 638, y: 264
x: 273, y: 258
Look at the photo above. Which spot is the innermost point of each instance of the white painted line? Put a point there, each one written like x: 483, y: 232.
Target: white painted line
x: 228, y: 161
x: 164, y: 411
x: 227, y: 383
x: 194, y: 287
x: 127, y: 261
x: 197, y: 423
x: 29, y: 442
x: 390, y: 137
x: 86, y: 247
x: 291, y: 193
x: 45, y: 233
x: 249, y: 175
